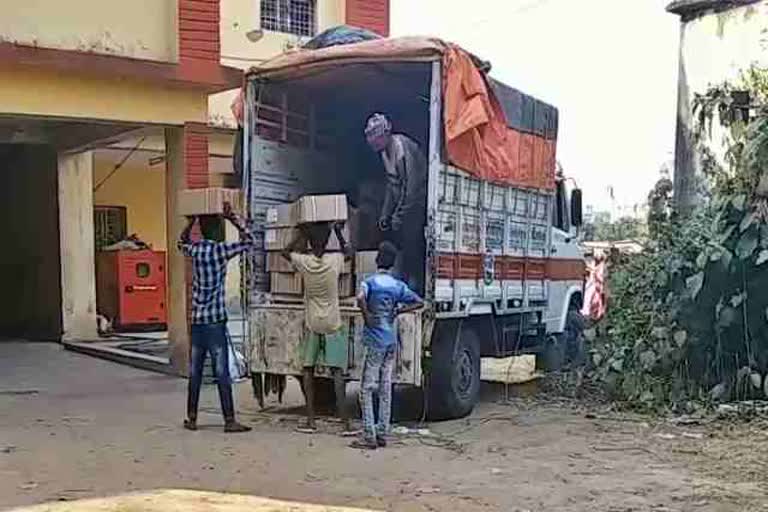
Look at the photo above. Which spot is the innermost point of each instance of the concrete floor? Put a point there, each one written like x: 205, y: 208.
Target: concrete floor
x: 72, y: 426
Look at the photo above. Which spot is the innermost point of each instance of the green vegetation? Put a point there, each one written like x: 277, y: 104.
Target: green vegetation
x: 687, y: 321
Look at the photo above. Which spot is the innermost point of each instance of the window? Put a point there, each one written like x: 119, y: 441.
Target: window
x: 110, y: 225
x: 560, y: 218
x: 289, y: 16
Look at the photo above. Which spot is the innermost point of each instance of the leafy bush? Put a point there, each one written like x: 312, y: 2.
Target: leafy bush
x: 687, y: 321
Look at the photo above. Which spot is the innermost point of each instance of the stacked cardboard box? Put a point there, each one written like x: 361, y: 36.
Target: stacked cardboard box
x: 276, y: 263
x: 282, y: 228
x: 365, y: 265
x: 286, y: 283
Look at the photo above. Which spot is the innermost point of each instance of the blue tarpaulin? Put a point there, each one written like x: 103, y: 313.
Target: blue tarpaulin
x: 343, y: 34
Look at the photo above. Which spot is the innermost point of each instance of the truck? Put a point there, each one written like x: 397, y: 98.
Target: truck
x: 504, y: 273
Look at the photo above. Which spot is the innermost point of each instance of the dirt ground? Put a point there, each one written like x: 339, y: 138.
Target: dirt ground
x: 73, y: 427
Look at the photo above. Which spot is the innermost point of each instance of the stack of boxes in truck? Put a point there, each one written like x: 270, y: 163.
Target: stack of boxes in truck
x: 282, y: 225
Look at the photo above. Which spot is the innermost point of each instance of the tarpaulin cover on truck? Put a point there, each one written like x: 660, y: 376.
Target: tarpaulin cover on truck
x: 343, y: 34
x: 478, y: 136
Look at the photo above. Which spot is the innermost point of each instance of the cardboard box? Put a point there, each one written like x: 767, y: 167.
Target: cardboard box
x: 346, y: 286
x: 277, y: 239
x: 326, y: 208
x: 291, y: 283
x: 286, y: 283
x: 276, y: 263
x: 208, y: 201
x: 280, y: 216
x: 365, y: 262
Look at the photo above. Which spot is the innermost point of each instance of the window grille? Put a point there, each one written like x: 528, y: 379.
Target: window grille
x: 110, y: 224
x: 289, y: 16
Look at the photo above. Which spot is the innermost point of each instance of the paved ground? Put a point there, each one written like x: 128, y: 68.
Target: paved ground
x: 73, y: 427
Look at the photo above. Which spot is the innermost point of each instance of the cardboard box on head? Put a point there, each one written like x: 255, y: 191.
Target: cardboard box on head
x: 327, y: 208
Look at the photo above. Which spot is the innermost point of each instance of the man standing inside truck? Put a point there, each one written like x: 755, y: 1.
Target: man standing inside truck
x: 403, y: 215
x: 209, y: 314
x: 325, y: 337
x: 380, y: 299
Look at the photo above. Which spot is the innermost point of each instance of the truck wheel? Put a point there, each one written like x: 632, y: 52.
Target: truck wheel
x: 454, y: 381
x: 575, y: 349
x: 566, y: 347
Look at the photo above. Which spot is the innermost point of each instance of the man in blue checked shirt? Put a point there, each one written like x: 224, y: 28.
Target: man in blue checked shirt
x: 381, y: 297
x: 209, y: 314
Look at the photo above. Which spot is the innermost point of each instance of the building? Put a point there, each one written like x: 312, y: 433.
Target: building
x: 107, y: 110
x: 718, y: 40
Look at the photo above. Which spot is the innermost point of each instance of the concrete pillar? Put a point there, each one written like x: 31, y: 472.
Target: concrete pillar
x: 76, y: 237
x: 176, y: 180
x: 687, y: 175
x: 186, y: 150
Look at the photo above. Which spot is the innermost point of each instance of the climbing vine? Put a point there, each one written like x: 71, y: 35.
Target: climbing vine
x: 687, y: 321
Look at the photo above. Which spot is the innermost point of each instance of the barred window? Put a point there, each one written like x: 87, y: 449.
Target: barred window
x: 110, y: 224
x: 289, y: 16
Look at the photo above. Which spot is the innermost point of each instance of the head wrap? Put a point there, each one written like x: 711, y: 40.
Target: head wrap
x: 378, y: 126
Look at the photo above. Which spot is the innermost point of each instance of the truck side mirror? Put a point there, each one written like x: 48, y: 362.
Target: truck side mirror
x: 577, y: 217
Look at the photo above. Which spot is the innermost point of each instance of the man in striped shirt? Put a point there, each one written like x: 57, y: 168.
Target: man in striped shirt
x: 209, y: 313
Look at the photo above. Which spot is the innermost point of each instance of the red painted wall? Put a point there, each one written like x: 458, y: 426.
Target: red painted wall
x: 196, y: 154
x: 370, y: 14
x: 199, y: 31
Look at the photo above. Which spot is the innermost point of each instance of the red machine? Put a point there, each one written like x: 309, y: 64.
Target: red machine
x: 130, y: 288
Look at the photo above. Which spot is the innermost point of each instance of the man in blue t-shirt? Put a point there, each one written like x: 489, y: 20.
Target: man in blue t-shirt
x: 380, y: 298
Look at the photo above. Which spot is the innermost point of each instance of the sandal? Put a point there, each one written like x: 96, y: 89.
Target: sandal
x: 363, y: 444
x: 306, y: 429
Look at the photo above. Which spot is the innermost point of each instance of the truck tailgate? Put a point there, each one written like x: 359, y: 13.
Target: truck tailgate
x: 276, y: 331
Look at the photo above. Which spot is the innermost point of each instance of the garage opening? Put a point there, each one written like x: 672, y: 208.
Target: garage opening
x: 30, y: 264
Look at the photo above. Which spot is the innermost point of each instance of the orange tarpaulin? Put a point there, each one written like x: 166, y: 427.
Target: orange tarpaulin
x: 477, y: 137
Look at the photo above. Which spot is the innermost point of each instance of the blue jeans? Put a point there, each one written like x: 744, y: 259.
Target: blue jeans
x: 377, y: 378
x: 210, y: 338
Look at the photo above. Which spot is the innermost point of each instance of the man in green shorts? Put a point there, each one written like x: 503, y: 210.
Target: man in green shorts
x: 325, y: 340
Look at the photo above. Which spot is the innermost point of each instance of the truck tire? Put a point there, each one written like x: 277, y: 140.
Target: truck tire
x: 575, y: 347
x: 454, y: 379
x: 566, y: 348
